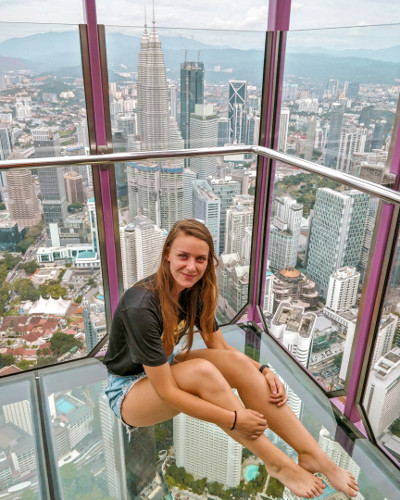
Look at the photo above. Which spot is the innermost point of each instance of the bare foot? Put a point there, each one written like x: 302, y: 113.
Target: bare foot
x: 340, y: 479
x: 299, y: 481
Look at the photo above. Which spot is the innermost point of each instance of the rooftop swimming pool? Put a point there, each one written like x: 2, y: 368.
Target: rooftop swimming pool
x: 250, y: 472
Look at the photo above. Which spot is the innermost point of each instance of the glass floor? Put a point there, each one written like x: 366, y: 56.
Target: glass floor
x: 60, y: 440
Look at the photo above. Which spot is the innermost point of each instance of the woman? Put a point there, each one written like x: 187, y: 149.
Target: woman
x: 148, y: 384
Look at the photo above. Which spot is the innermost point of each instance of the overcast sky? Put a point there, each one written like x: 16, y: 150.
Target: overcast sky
x: 245, y: 15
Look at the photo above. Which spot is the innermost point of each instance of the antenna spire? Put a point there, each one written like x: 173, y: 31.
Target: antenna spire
x: 145, y: 16
x: 154, y: 16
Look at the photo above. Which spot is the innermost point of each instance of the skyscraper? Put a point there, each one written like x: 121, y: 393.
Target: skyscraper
x: 23, y: 203
x: 237, y: 108
x: 352, y: 141
x: 155, y: 190
x: 207, y: 207
x: 283, y: 129
x: 343, y: 289
x: 203, y: 133
x: 192, y: 93
x: 336, y: 233
x: 238, y: 217
x: 335, y: 128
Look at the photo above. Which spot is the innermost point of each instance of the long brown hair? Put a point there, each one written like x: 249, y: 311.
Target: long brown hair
x: 203, y: 294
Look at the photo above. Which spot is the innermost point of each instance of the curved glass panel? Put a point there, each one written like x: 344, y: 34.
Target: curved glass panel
x: 381, y: 400
x: 165, y: 97
x: 318, y: 250
x: 339, y: 101
x: 51, y: 290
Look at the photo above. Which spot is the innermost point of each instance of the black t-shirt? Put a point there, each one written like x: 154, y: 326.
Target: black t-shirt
x: 136, y: 330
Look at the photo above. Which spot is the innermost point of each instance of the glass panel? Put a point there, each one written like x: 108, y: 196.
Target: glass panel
x: 319, y: 243
x: 51, y: 292
x: 20, y: 443
x: 193, y: 98
x: 338, y: 106
x: 381, y: 400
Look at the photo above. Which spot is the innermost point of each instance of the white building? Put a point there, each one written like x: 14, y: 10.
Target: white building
x: 386, y: 333
x: 205, y: 450
x: 238, y: 217
x: 268, y: 294
x: 283, y: 129
x: 333, y: 449
x: 207, y: 208
x: 382, y: 397
x: 19, y: 414
x: 203, y: 133
x: 343, y: 289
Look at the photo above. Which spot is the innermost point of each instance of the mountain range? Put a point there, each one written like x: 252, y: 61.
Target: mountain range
x: 59, y: 53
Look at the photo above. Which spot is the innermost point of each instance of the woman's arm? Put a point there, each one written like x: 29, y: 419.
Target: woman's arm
x: 278, y: 392
x: 249, y: 423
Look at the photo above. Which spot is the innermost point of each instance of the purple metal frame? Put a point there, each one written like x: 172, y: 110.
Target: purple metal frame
x: 101, y: 140
x: 278, y: 20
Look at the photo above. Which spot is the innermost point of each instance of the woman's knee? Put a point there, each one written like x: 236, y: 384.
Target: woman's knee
x: 200, y: 373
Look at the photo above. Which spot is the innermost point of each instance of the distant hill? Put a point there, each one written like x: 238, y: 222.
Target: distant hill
x: 58, y: 53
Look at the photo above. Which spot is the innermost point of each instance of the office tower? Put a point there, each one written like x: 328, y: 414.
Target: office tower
x: 141, y: 246
x: 192, y: 93
x: 352, y: 90
x: 333, y: 449
x: 290, y: 285
x: 332, y: 89
x: 173, y: 101
x: 93, y: 224
x: 20, y: 414
x: 352, y: 141
x: 223, y: 131
x: 113, y: 450
x: 94, y: 321
x: 365, y: 116
x: 385, y: 337
x: 188, y: 178
x: 207, y: 208
x: 226, y: 189
x: 238, y: 217
x: 252, y: 128
x: 336, y: 233
x: 285, y: 232
x: 382, y: 397
x: 155, y: 189
x: 205, y: 450
x: 343, y: 289
x: 310, y: 139
x: 5, y: 144
x: 335, y: 128
x: 268, y: 294
x: 378, y: 135
x: 23, y: 108
x: 203, y: 133
x: 46, y: 142
x: 283, y: 129
x: 74, y: 188
x: 294, y: 328
x: 23, y: 204
x: 237, y: 109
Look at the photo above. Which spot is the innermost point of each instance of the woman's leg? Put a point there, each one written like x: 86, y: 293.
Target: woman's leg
x: 142, y: 407
x: 241, y: 374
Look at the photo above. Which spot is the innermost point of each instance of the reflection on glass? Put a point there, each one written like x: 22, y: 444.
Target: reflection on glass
x: 382, y: 392
x: 51, y: 295
x: 165, y: 98
x: 343, y: 117
x: 319, y: 243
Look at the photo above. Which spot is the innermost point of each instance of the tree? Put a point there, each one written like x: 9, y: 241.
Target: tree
x: 24, y: 364
x: 25, y: 289
x: 56, y: 291
x: 30, y: 267
x: 61, y: 343
x: 6, y: 360
x: 46, y: 361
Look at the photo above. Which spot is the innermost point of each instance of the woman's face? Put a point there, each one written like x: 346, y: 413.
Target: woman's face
x: 188, y: 259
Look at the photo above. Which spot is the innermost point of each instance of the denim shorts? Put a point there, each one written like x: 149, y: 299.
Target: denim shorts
x: 119, y: 386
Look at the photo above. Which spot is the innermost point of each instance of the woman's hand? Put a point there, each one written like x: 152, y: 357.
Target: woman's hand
x: 250, y: 423
x: 278, y: 394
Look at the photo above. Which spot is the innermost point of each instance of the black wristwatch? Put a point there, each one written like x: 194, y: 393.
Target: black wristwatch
x: 261, y: 369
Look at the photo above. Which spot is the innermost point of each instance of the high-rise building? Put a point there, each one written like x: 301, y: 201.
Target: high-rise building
x: 20, y: 414
x: 333, y: 449
x: 238, y: 217
x: 173, y: 101
x: 268, y: 294
x: 352, y: 141
x: 385, y: 337
x: 336, y: 233
x: 382, y: 397
x: 294, y: 328
x: 335, y: 128
x: 74, y: 187
x: 283, y: 129
x: 233, y: 284
x: 352, y: 90
x: 310, y: 138
x: 343, y: 289
x: 237, y: 109
x: 205, y: 450
x: 223, y: 131
x: 203, y: 133
x: 226, y: 189
x: 188, y: 178
x: 192, y: 93
x: 207, y: 208
x: 5, y: 143
x: 290, y: 285
x: 94, y: 321
x: 378, y: 135
x: 23, y: 204
x: 285, y: 232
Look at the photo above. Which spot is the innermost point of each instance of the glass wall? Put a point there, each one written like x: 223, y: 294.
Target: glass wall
x: 51, y: 292
x: 197, y: 95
